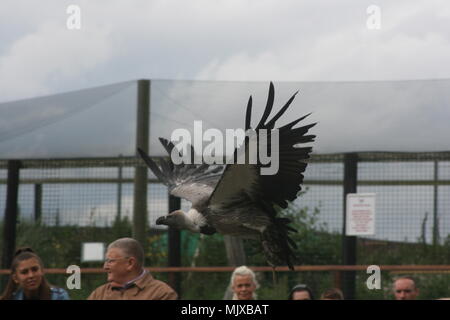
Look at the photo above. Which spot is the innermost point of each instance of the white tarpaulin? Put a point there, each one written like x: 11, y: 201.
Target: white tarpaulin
x: 351, y: 116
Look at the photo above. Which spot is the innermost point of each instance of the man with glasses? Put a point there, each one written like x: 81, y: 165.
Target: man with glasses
x: 405, y: 289
x: 127, y: 278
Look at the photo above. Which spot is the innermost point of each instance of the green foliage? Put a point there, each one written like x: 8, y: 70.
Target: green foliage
x: 204, y: 286
x: 60, y: 246
x: 316, y: 245
x: 212, y: 251
x: 209, y: 251
x: 273, y: 291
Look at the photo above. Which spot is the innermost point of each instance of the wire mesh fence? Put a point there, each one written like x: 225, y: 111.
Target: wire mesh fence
x: 63, y: 203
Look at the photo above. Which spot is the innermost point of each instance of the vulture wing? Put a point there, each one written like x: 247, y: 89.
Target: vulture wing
x: 194, y: 183
x: 245, y: 181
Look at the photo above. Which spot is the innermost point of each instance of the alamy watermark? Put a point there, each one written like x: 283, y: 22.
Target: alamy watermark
x: 374, y: 20
x: 74, y: 281
x: 73, y: 21
x: 220, y: 149
x: 374, y: 281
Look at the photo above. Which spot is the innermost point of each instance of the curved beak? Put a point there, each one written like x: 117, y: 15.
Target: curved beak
x: 161, y: 220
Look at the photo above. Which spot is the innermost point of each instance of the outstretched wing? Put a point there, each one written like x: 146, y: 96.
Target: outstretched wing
x: 278, y: 188
x: 241, y: 182
x: 194, y: 183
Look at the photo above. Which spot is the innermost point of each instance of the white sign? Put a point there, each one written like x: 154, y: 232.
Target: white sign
x: 360, y: 215
x: 92, y: 251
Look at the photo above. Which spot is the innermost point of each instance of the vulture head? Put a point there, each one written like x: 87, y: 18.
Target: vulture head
x: 191, y: 220
x: 175, y: 219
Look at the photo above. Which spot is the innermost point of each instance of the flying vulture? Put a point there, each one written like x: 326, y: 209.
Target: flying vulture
x: 238, y: 200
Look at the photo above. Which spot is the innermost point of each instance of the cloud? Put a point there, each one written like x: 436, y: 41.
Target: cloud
x: 37, y: 62
x: 349, y: 52
x: 217, y: 40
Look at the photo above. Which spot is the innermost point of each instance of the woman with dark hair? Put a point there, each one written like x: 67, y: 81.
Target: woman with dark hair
x: 332, y: 294
x: 301, y: 292
x: 27, y: 280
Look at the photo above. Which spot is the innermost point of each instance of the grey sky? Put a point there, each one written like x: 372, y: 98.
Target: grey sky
x: 286, y: 40
x: 242, y: 40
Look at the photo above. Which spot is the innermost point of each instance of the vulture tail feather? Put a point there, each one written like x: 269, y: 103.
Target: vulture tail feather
x: 277, y: 245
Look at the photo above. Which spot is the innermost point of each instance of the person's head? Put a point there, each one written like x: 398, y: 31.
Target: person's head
x: 301, y: 292
x: 124, y: 260
x: 27, y: 273
x: 332, y: 294
x: 405, y: 289
x: 244, y: 284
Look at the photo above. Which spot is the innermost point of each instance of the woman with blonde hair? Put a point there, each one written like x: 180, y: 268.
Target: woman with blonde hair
x: 243, y: 283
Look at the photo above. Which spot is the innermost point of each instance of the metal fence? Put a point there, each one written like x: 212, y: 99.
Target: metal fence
x: 412, y: 206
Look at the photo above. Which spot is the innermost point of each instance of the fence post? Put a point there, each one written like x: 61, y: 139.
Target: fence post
x: 141, y: 171
x: 337, y: 279
x: 234, y: 247
x: 119, y: 191
x: 174, y: 248
x: 11, y: 211
x: 37, y: 203
x: 435, y: 205
x: 349, y: 242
